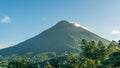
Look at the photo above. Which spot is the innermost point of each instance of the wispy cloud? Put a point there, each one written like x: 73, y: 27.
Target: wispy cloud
x: 116, y: 32
x: 5, y: 19
x: 78, y: 25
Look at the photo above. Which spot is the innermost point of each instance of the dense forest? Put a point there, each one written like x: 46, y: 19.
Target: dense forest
x: 92, y: 55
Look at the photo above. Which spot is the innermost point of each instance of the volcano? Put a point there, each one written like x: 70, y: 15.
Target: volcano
x: 64, y: 37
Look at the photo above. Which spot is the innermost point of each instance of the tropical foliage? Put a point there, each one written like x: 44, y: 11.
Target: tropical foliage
x: 92, y: 55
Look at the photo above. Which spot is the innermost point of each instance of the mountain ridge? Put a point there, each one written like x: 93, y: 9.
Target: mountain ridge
x: 62, y: 38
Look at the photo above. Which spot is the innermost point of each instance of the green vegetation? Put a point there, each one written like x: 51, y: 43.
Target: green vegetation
x: 92, y: 55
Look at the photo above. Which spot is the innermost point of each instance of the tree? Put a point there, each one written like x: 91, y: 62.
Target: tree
x: 114, y: 60
x: 101, y: 50
x: 91, y: 50
x: 38, y: 66
x: 19, y: 63
x: 112, y: 47
x: 100, y: 44
x: 87, y: 63
x: 55, y: 61
x: 92, y: 53
x: 11, y: 65
x: 85, y: 49
x: 71, y: 61
x: 85, y: 42
x: 47, y: 65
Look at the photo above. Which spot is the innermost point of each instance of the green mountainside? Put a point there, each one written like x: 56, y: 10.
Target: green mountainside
x: 62, y: 38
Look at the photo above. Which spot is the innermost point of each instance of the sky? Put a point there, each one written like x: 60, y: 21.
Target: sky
x: 24, y: 19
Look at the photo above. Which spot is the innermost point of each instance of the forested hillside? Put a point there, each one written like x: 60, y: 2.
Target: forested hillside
x: 93, y: 55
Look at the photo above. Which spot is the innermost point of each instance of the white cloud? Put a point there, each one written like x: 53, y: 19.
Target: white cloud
x: 5, y: 19
x: 78, y: 25
x: 115, y: 32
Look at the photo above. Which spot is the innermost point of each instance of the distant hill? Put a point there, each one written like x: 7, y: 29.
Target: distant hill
x: 62, y: 38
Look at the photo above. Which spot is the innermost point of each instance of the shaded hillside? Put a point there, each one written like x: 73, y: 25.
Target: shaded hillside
x: 62, y: 38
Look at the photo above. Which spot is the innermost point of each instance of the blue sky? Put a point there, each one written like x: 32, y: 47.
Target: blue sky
x: 23, y: 19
